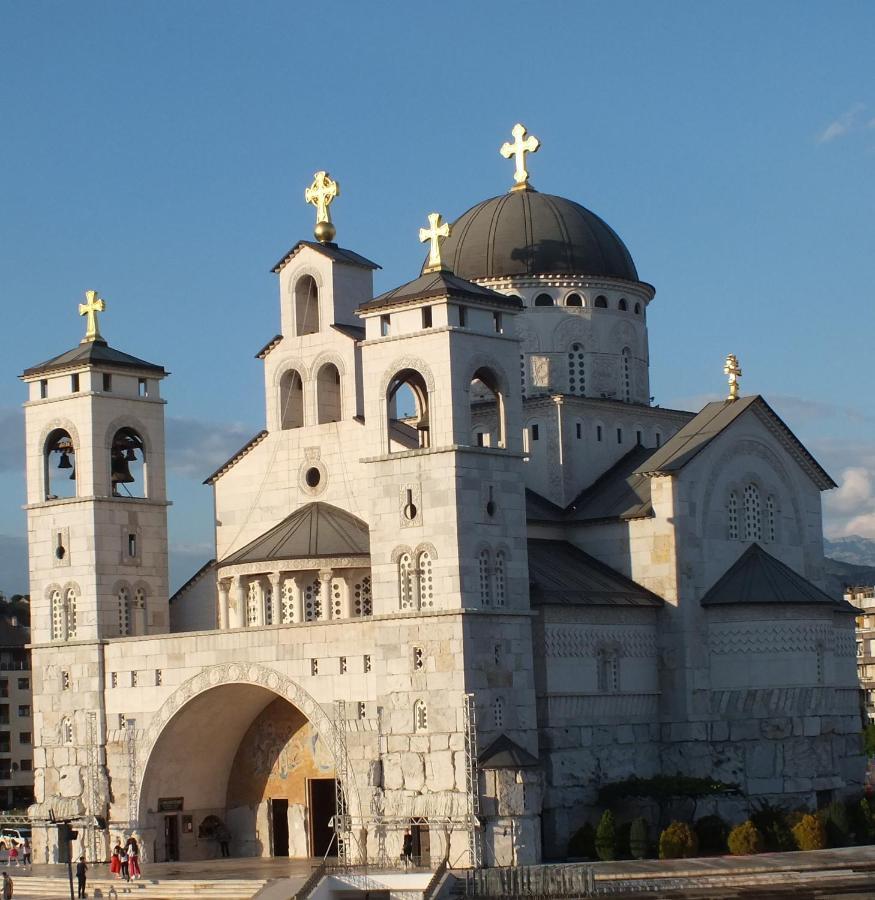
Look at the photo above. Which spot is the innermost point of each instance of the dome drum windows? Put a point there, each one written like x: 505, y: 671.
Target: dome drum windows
x: 544, y: 300
x: 601, y: 302
x: 574, y: 300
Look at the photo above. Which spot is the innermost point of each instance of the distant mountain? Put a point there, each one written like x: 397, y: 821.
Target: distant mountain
x: 856, y: 550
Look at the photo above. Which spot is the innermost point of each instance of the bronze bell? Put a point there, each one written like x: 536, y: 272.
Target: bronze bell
x: 120, y: 472
x: 65, y: 461
x: 73, y: 475
x: 130, y: 456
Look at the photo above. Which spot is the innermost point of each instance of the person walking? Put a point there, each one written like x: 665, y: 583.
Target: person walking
x: 26, y: 854
x: 224, y: 837
x: 81, y: 875
x: 7, y: 886
x: 115, y: 866
x: 13, y: 855
x: 123, y: 863
x: 133, y: 851
x: 407, y: 848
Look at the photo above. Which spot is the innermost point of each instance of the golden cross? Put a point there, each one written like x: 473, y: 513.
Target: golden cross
x: 434, y: 233
x: 519, y: 148
x: 92, y: 306
x: 321, y: 193
x: 733, y: 370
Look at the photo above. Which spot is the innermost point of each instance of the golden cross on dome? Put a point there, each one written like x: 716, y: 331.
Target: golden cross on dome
x: 434, y: 233
x: 91, y: 307
x: 733, y: 370
x: 321, y: 194
x: 519, y: 148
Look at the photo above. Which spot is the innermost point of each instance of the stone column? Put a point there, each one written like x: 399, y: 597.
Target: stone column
x: 223, y: 603
x: 347, y: 581
x: 237, y: 615
x: 325, y: 576
x: 275, y: 587
x: 299, y: 581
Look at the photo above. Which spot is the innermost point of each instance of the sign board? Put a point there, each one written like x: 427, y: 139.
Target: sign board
x: 170, y: 804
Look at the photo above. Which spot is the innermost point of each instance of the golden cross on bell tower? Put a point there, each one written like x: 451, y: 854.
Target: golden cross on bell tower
x: 434, y: 233
x: 519, y: 148
x: 321, y: 193
x: 733, y: 370
x: 91, y: 307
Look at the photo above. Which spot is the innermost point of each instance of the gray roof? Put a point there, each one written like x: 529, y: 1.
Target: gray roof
x: 356, y: 332
x: 441, y: 284
x: 619, y: 493
x: 540, y: 509
x: 562, y: 574
x: 332, y: 251
x: 529, y: 233
x: 316, y: 529
x: 252, y: 442
x: 503, y: 753
x: 698, y: 433
x: 208, y: 566
x: 93, y: 353
x: 756, y: 577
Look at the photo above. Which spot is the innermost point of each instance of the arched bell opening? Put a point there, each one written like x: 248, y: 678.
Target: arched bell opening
x: 268, y: 788
x: 486, y: 409
x: 127, y: 470
x: 408, y: 423
x: 306, y: 306
x: 291, y: 399
x: 328, y: 394
x: 59, y: 466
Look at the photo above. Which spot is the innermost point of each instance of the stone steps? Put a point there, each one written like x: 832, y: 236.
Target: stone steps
x: 101, y: 888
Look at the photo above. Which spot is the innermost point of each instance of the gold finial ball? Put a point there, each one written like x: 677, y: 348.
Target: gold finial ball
x: 324, y: 232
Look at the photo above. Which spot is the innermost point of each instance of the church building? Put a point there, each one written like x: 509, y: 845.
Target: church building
x: 466, y: 575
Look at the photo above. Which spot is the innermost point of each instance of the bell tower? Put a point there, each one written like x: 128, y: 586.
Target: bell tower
x: 96, y: 494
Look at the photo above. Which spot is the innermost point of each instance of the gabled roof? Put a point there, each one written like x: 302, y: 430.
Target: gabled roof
x: 208, y: 566
x: 619, y: 493
x: 269, y: 346
x: 562, y: 574
x: 503, y: 753
x: 756, y: 577
x: 441, y: 284
x: 540, y: 509
x: 317, y: 529
x: 252, y: 442
x: 332, y: 251
x: 93, y: 353
x: 698, y: 433
x: 356, y: 332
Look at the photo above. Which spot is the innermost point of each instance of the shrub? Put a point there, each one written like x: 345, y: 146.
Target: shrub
x: 771, y: 822
x: 639, y: 838
x: 745, y: 839
x: 865, y: 821
x: 809, y: 834
x: 606, y: 837
x: 712, y: 832
x: 678, y: 841
x: 582, y: 843
x: 837, y: 824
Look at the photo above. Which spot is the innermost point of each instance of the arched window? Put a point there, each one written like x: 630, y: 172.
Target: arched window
x: 500, y: 578
x: 66, y: 730
x: 420, y: 716
x: 291, y: 399
x: 601, y: 302
x: 328, y: 394
x: 576, y: 370
x: 574, y: 300
x: 287, y: 602
x: 485, y: 578
x: 753, y: 522
x: 425, y: 585
x: 127, y: 472
x: 543, y: 300
x: 59, y: 469
x: 405, y: 581
x: 124, y: 612
x: 732, y: 516
x: 486, y: 408
x: 70, y: 614
x: 771, y: 519
x: 627, y: 375
x: 306, y: 306
x: 59, y: 618
x: 622, y: 305
x: 408, y: 414
x: 498, y: 713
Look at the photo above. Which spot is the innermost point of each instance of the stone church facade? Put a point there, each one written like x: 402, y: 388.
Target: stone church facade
x: 466, y: 574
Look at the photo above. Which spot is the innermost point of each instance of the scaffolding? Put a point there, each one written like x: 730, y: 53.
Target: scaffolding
x: 342, y: 819
x: 133, y: 773
x: 92, y: 773
x: 472, y: 779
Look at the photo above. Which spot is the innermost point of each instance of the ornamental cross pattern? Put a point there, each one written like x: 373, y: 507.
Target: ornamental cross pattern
x: 519, y: 148
x: 321, y: 194
x: 91, y: 307
x: 434, y: 233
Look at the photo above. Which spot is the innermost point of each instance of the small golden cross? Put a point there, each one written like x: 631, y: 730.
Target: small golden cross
x: 733, y: 370
x: 92, y: 306
x: 321, y: 194
x: 519, y: 148
x: 434, y: 233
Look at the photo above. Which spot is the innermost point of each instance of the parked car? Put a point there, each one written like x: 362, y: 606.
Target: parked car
x: 10, y: 837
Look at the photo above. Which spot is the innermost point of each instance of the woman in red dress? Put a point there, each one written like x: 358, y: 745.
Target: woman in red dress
x: 115, y: 866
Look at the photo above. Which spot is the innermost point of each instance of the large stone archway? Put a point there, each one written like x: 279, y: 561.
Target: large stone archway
x: 242, y: 744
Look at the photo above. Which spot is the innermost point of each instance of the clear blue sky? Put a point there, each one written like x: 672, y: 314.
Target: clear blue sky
x: 159, y: 152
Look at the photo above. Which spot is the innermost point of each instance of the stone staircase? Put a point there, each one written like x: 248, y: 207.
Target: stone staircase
x: 102, y: 888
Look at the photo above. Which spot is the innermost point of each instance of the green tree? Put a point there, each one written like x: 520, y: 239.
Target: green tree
x: 606, y: 837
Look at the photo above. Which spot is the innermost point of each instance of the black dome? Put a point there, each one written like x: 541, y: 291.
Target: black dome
x: 528, y: 233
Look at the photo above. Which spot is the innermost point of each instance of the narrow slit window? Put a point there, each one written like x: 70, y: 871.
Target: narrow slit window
x: 107, y: 381
x: 426, y: 317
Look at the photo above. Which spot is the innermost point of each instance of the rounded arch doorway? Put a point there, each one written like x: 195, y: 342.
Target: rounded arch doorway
x: 241, y: 766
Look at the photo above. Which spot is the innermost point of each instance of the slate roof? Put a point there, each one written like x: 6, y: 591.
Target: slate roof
x: 206, y: 567
x: 441, y: 284
x: 317, y: 529
x: 332, y: 251
x: 695, y: 436
x: 562, y: 574
x: 619, y: 493
x: 252, y: 442
x: 756, y: 577
x: 540, y: 509
x: 93, y: 353
x: 356, y: 332
x: 503, y: 753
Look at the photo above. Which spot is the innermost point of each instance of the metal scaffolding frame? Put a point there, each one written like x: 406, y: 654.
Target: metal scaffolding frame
x: 133, y: 773
x: 92, y: 774
x: 472, y: 780
x: 342, y: 819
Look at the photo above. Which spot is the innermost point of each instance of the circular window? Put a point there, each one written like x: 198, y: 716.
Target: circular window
x: 312, y: 477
